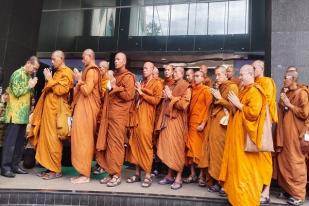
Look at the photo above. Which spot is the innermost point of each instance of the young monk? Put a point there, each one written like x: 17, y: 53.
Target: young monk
x: 197, y: 115
x: 140, y: 150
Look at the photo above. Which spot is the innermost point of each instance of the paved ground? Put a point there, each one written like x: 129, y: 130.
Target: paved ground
x: 31, y: 181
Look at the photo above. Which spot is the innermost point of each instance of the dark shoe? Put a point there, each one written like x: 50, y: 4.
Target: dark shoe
x: 214, y: 188
x: 265, y: 201
x: 295, y: 202
x: 222, y: 193
x: 20, y: 171
x: 8, y: 173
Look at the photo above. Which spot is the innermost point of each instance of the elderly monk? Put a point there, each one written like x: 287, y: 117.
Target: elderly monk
x: 44, y: 134
x: 207, y: 81
x: 198, y: 115
x: 293, y: 111
x: 190, y: 76
x: 86, y: 104
x: 240, y: 170
x: 221, y: 111
x: 173, y: 135
x: 230, y: 73
x: 111, y: 138
x: 140, y: 150
x: 269, y: 87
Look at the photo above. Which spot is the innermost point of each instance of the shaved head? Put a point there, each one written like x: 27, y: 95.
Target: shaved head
x: 190, y: 75
x: 155, y: 72
x: 220, y: 73
x: 246, y: 74
x: 58, y: 53
x: 57, y: 59
x: 148, y: 70
x: 291, y: 68
x: 199, y: 77
x: 230, y: 72
x: 221, y: 68
x: 204, y: 69
x: 120, y: 60
x: 179, y: 73
x: 90, y: 53
x: 258, y: 66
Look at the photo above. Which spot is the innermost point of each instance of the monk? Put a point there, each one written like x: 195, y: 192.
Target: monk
x: 293, y: 111
x: 86, y: 104
x: 208, y: 81
x: 43, y: 133
x: 140, y: 150
x: 269, y: 86
x: 221, y: 110
x: 190, y: 76
x: 172, y: 138
x: 197, y: 115
x: 240, y: 170
x: 230, y: 73
x: 111, y: 138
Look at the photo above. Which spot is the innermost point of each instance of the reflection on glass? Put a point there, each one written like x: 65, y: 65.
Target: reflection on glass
x: 238, y: 17
x: 198, y: 14
x: 161, y: 20
x: 179, y: 19
x: 103, y: 22
x: 217, y: 18
x: 145, y: 21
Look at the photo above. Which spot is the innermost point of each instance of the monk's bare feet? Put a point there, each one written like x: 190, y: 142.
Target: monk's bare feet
x: 80, y: 180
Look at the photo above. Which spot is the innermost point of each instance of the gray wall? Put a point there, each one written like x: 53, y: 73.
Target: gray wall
x: 289, y: 38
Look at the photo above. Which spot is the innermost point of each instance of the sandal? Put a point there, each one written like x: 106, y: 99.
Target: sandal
x: 295, y: 202
x: 166, y: 181
x: 134, y: 178
x: 202, y: 182
x: 176, y: 185
x: 115, y: 181
x: 147, y: 182
x: 190, y: 179
x: 264, y: 201
x: 214, y: 188
x: 42, y: 173
x: 98, y: 171
x: 52, y: 175
x: 106, y: 179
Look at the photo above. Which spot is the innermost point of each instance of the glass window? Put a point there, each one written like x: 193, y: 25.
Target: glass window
x: 198, y: 17
x: 238, y: 14
x: 134, y: 21
x: 161, y: 20
x: 217, y: 18
x: 179, y: 19
x: 103, y: 22
x: 145, y: 21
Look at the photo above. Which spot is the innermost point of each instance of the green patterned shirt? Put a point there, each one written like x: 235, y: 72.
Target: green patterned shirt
x: 18, y: 105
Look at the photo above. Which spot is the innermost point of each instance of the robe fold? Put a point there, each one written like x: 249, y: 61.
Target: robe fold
x: 215, y: 132
x: 291, y: 162
x: 198, y: 114
x: 239, y: 173
x: 173, y: 135
x: 87, y: 104
x: 140, y: 151
x: 110, y: 155
x: 43, y: 132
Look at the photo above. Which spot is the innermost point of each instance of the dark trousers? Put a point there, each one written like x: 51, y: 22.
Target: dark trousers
x: 13, y: 146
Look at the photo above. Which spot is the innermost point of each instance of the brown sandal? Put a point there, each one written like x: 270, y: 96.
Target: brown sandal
x: 106, y: 179
x: 147, y: 182
x: 190, y: 179
x: 115, y: 181
x: 134, y: 178
x: 202, y: 182
x: 51, y: 175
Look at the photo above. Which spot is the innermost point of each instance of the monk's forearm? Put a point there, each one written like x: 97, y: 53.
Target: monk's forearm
x: 147, y: 91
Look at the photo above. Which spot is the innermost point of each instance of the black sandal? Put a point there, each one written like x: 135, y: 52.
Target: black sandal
x: 214, y: 188
x: 134, y: 178
x: 294, y: 201
x: 147, y: 182
x: 190, y: 179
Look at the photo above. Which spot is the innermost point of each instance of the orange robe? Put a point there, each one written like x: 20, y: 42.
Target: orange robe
x: 240, y: 174
x: 208, y: 81
x: 172, y: 138
x: 269, y: 87
x: 216, y: 133
x: 43, y: 133
x: 198, y: 114
x: 235, y: 80
x: 140, y: 144
x: 110, y: 143
x: 86, y: 109
x: 292, y: 171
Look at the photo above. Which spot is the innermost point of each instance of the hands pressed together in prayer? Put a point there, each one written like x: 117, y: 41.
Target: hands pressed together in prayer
x: 232, y: 97
x: 47, y: 74
x: 77, y: 75
x: 32, y: 82
x: 216, y: 93
x: 201, y: 127
x: 138, y: 88
x: 285, y: 100
x: 167, y: 92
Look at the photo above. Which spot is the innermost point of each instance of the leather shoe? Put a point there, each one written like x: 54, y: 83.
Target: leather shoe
x: 19, y: 170
x: 7, y: 173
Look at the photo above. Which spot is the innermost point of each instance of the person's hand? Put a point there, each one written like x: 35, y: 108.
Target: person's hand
x: 200, y: 127
x: 47, y: 74
x: 285, y: 99
x: 77, y: 75
x: 216, y: 93
x: 32, y: 82
x: 138, y: 88
x: 168, y: 92
x: 232, y: 97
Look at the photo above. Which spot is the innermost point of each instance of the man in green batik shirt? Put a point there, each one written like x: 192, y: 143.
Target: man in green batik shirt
x: 17, y: 116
